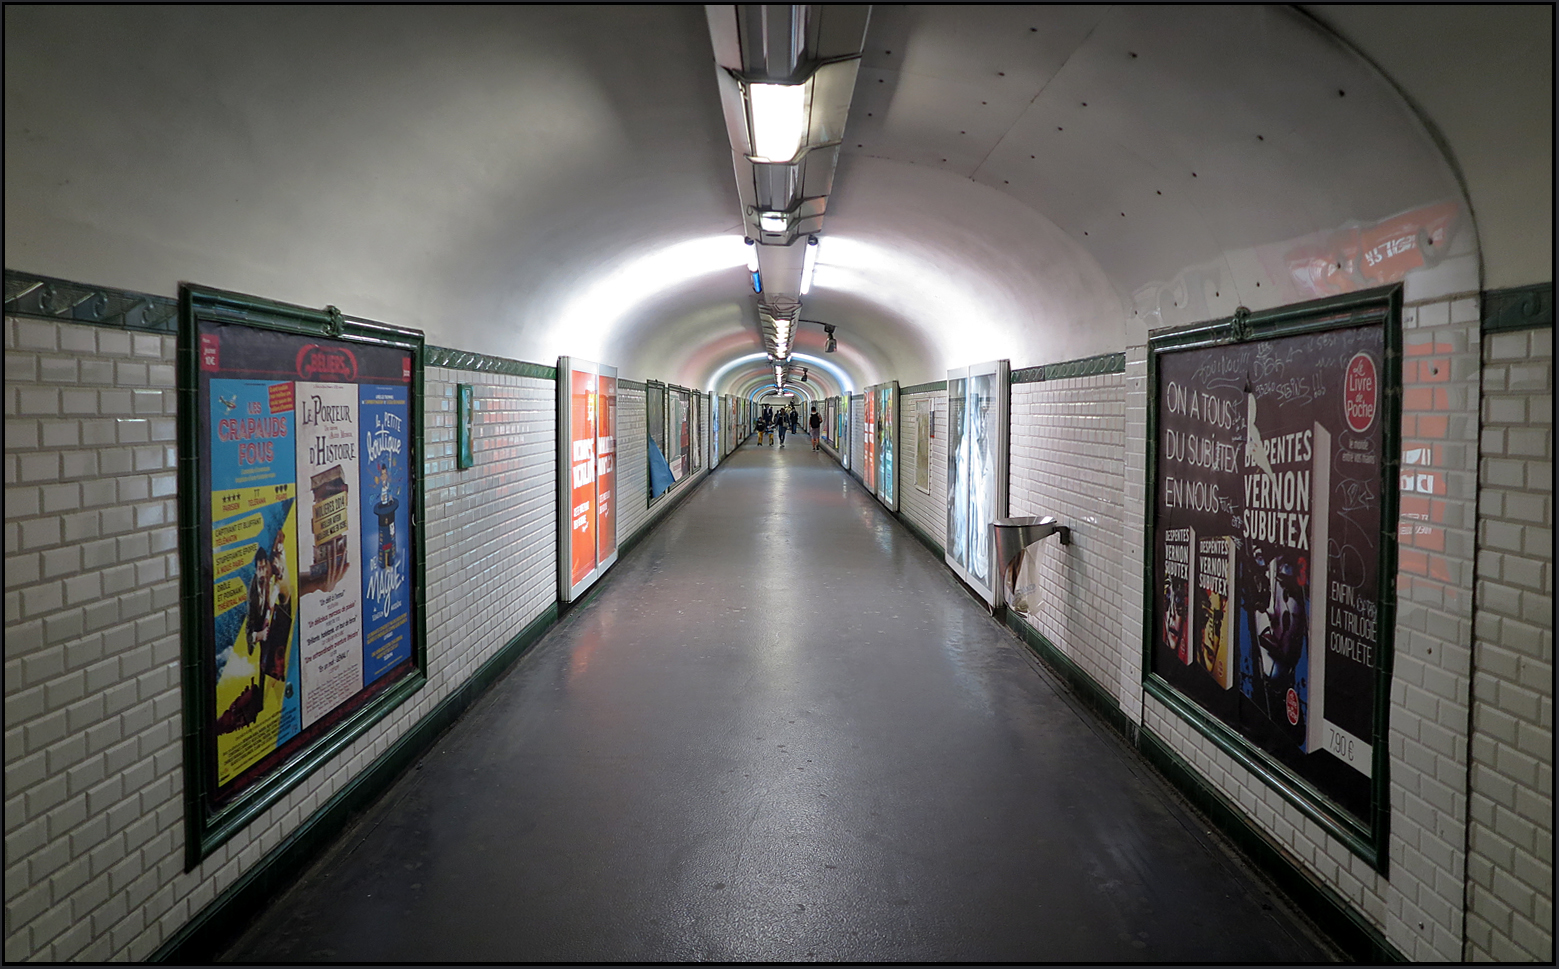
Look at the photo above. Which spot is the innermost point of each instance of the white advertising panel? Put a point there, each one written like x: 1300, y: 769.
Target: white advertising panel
x: 977, y: 427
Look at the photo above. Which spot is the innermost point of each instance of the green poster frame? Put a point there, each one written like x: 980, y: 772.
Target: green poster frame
x: 210, y: 825
x: 1381, y: 306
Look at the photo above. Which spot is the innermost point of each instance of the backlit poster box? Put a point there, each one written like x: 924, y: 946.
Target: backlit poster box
x: 842, y: 429
x: 300, y: 551
x: 1271, y: 597
x: 587, y: 469
x: 869, y: 441
x: 977, y: 405
x: 877, y: 464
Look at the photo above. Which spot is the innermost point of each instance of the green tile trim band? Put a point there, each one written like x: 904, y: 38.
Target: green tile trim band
x: 482, y: 363
x: 935, y: 386
x: 44, y: 297
x: 1067, y: 369
x: 920, y: 535
x: 1517, y: 308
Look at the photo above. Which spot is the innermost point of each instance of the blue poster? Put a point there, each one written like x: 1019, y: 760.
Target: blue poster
x: 386, y: 514
x: 253, y: 548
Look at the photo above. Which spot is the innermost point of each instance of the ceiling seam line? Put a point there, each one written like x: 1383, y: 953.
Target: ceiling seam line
x: 1051, y: 80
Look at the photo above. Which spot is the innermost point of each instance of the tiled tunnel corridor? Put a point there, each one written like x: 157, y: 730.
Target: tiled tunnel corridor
x: 781, y: 732
x: 393, y: 570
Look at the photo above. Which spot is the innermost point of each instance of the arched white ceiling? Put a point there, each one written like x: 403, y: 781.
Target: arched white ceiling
x: 1037, y: 183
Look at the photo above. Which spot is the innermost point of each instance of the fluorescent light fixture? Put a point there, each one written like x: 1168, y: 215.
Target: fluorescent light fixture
x: 808, y: 266
x: 773, y: 221
x: 779, y: 120
x: 752, y: 359
x: 752, y: 255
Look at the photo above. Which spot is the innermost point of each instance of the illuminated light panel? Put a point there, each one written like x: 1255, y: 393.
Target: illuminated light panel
x: 809, y: 266
x: 841, y: 377
x: 779, y: 120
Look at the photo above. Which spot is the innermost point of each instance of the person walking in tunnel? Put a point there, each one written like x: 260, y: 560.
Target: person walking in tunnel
x: 815, y: 425
x: 784, y: 425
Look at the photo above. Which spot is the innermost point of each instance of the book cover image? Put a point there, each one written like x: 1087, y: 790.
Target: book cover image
x: 1282, y: 624
x: 1214, y: 635
x: 1178, y: 570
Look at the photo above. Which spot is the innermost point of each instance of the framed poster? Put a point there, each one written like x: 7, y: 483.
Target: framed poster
x: 301, y: 549
x: 1272, y: 549
x: 883, y: 435
x: 978, y: 399
x: 842, y: 429
x: 923, y: 446
x: 678, y: 433
x: 587, y: 466
x: 869, y: 441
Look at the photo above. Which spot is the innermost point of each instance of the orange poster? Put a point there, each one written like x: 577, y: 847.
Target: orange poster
x: 582, y: 474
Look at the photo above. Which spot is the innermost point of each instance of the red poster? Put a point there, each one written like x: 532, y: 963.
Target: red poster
x: 582, y: 471
x: 606, y: 471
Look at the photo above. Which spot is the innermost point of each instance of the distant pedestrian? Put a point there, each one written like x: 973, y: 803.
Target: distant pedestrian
x: 815, y: 423
x: 795, y: 420
x: 784, y: 426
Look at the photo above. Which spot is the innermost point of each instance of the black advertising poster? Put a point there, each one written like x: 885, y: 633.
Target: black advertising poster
x: 301, y: 557
x: 1270, y: 478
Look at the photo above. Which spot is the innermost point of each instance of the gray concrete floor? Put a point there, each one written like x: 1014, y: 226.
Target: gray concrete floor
x: 780, y: 731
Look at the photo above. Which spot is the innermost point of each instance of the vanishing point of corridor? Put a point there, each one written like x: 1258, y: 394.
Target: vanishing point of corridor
x: 780, y: 731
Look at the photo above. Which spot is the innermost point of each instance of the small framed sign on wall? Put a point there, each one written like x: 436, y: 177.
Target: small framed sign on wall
x: 465, y: 406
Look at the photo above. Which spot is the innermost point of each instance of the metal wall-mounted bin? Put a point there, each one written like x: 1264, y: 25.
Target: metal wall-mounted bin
x: 1013, y: 535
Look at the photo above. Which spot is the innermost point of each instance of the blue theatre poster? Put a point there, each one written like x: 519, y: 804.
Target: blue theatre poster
x: 386, y: 528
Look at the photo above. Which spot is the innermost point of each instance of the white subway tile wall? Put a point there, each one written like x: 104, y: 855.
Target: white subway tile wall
x: 927, y: 511
x: 1134, y: 525
x: 633, y: 469
x: 94, y: 785
x: 1511, y: 855
x: 1067, y: 459
x: 93, y: 789
x: 94, y: 814
x: 1418, y: 907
